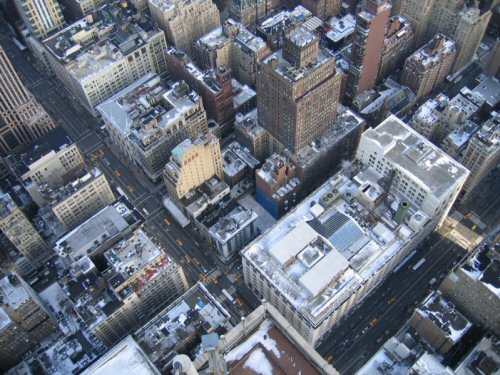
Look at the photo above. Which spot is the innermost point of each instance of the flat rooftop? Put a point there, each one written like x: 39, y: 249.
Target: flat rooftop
x: 444, y: 315
x: 103, y: 226
x: 341, y: 28
x: 12, y: 291
x: 179, y: 326
x: 7, y: 205
x: 484, y: 269
x: 126, y: 358
x: 328, y: 234
x: 435, y: 50
x: 414, y: 154
x: 145, y: 111
x: 284, y: 20
x: 249, y: 124
x: 134, y: 262
x: 101, y: 39
x: 230, y: 225
x: 489, y: 90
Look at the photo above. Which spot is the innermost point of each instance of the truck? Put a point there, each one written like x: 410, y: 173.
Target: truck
x: 418, y: 264
x: 228, y: 296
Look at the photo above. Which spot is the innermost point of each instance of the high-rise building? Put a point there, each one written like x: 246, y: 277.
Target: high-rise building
x: 191, y: 164
x: 86, y: 194
x: 77, y: 9
x: 22, y: 119
x: 298, y: 91
x: 324, y: 9
x: 482, y: 153
x: 419, y: 172
x: 53, y: 159
x: 24, y: 321
x: 20, y: 231
x: 473, y: 288
x: 428, y: 66
x: 397, y: 46
x: 367, y: 47
x: 185, y: 21
x: 41, y: 16
x: 147, y: 133
x: 94, y: 65
x: 325, y: 256
x: 461, y: 21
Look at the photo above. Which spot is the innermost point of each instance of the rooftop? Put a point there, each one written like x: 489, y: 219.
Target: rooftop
x: 341, y: 27
x: 4, y: 318
x: 284, y: 20
x: 231, y: 224
x: 7, y: 205
x: 134, y: 263
x: 146, y: 112
x: 88, y: 236
x: 444, y: 315
x: 489, y: 90
x: 101, y: 39
x: 484, y: 267
x: 126, y: 358
x: 179, y: 326
x: 54, y: 196
x: 249, y: 124
x: 414, y: 154
x: 12, y: 291
x: 329, y: 233
x: 432, y: 52
x: 483, y: 359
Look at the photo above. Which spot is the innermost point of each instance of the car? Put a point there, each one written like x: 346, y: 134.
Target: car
x: 239, y: 301
x: 197, y: 261
x: 130, y: 188
x: 329, y: 358
x: 117, y: 173
x: 179, y: 242
x: 166, y: 221
x: 391, y: 301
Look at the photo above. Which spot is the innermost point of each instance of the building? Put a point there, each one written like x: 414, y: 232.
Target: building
x: 277, y: 185
x: 298, y: 91
x: 87, y: 193
x: 323, y: 9
x: 238, y: 162
x: 41, y: 17
x: 315, y: 162
x: 473, y: 287
x: 24, y: 321
x: 22, y: 119
x: 21, y: 233
x: 428, y: 67
x: 367, y: 47
x: 439, y: 323
x: 251, y: 135
x: 265, y: 338
x: 419, y: 172
x: 194, y: 314
x: 488, y: 89
x: 184, y: 21
x: 464, y: 23
x: 398, y: 42
x: 251, y: 12
x: 482, y: 359
x: 139, y: 282
x: 191, y: 164
x: 53, y: 159
x: 232, y: 45
x: 214, y: 86
x: 274, y: 29
x: 146, y: 121
x: 97, y: 234
x: 233, y: 231
x: 94, y: 64
x: 127, y: 354
x: 330, y: 233
x: 493, y: 64
x: 482, y: 153
x: 342, y: 29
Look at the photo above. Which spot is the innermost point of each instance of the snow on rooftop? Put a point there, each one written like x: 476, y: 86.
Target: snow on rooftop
x: 13, y: 294
x: 126, y: 358
x: 4, y: 318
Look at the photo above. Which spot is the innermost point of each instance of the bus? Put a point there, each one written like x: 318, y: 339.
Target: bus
x: 121, y: 192
x: 418, y: 264
x: 228, y: 296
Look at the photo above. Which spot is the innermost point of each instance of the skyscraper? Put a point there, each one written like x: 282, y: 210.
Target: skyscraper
x: 367, y: 47
x: 429, y: 66
x: 22, y: 119
x: 41, y: 16
x: 298, y: 91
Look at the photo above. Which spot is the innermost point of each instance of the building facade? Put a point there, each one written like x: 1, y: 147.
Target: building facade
x: 146, y: 134
x: 367, y: 47
x: 419, y: 172
x: 191, y: 164
x: 22, y: 118
x: 429, y: 66
x: 22, y: 234
x: 40, y: 16
x: 94, y: 65
x: 185, y: 21
x: 324, y: 9
x: 24, y: 321
x: 298, y: 91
